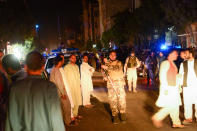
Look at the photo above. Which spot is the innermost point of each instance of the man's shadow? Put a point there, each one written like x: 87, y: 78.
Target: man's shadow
x: 107, y: 108
x: 104, y: 105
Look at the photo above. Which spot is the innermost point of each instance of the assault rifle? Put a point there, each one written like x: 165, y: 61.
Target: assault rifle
x: 107, y: 74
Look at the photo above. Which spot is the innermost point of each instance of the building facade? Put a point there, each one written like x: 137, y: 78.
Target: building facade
x: 97, y: 15
x: 189, y: 39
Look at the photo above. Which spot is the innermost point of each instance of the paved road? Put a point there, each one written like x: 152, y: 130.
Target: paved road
x: 140, y: 107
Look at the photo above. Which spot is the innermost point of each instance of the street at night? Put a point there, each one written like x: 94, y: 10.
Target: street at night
x: 98, y: 65
x: 140, y: 108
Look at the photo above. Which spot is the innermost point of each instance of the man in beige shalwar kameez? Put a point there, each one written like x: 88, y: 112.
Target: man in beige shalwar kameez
x: 57, y: 77
x: 73, y: 77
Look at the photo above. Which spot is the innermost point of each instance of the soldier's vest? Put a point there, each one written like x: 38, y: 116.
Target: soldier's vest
x: 132, y: 62
x: 185, y: 68
x: 115, y: 70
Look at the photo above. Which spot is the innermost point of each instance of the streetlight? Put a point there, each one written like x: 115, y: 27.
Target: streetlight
x: 37, y: 28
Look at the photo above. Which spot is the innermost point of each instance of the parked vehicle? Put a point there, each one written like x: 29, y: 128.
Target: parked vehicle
x: 50, y: 61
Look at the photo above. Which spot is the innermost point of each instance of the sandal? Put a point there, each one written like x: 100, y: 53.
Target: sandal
x: 187, y: 121
x: 78, y: 117
x: 178, y: 126
x: 73, y: 123
x: 89, y: 106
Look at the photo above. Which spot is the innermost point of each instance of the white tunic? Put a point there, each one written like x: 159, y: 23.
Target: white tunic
x: 86, y: 81
x: 67, y: 87
x: 168, y: 95
x: 191, y: 89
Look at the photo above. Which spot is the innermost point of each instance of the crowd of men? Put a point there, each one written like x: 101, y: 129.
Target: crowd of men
x: 28, y: 101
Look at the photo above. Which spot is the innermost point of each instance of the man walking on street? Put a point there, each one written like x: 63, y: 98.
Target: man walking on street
x: 130, y: 68
x: 115, y: 85
x: 34, y: 103
x: 188, y: 70
x: 86, y: 81
x: 169, y: 94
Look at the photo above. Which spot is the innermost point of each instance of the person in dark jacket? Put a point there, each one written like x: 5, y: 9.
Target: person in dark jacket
x: 151, y: 65
x: 13, y: 68
x: 160, y: 59
x: 4, y: 91
x: 34, y: 104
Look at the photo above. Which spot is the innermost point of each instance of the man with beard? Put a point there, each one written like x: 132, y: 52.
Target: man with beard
x: 57, y: 77
x: 188, y: 70
x: 72, y: 74
x: 86, y: 81
x: 115, y: 85
x: 169, y: 94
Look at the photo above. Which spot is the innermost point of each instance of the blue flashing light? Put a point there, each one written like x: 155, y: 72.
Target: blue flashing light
x: 163, y: 47
x: 115, y: 47
x: 57, y: 50
x: 178, y: 46
x: 37, y: 26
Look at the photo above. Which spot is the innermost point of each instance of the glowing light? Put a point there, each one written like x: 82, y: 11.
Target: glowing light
x: 163, y: 47
x: 115, y: 47
x: 17, y: 52
x: 94, y: 45
x: 37, y: 26
x: 178, y: 46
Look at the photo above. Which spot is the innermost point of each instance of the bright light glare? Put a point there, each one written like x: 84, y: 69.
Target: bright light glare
x: 163, y: 47
x: 37, y: 26
x: 17, y: 53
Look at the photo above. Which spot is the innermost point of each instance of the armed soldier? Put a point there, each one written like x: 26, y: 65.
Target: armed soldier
x: 115, y: 85
x: 130, y: 69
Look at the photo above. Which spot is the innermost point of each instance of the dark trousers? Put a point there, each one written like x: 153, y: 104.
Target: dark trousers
x: 151, y: 76
x: 2, y: 116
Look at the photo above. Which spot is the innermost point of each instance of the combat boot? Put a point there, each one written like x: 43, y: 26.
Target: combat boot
x: 123, y: 117
x: 116, y: 119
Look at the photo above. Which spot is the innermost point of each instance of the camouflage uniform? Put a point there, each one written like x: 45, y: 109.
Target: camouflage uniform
x: 116, y: 92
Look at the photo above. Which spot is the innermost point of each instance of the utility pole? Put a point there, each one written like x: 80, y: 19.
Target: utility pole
x: 59, y: 28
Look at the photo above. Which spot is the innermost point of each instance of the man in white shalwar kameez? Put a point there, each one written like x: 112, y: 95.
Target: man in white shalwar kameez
x: 130, y: 68
x: 188, y: 70
x: 169, y: 95
x: 86, y: 81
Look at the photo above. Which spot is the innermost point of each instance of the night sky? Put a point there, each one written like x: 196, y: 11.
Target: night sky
x: 46, y: 12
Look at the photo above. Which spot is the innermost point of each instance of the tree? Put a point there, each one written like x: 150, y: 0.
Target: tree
x: 180, y: 13
x: 16, y: 22
x: 136, y: 26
